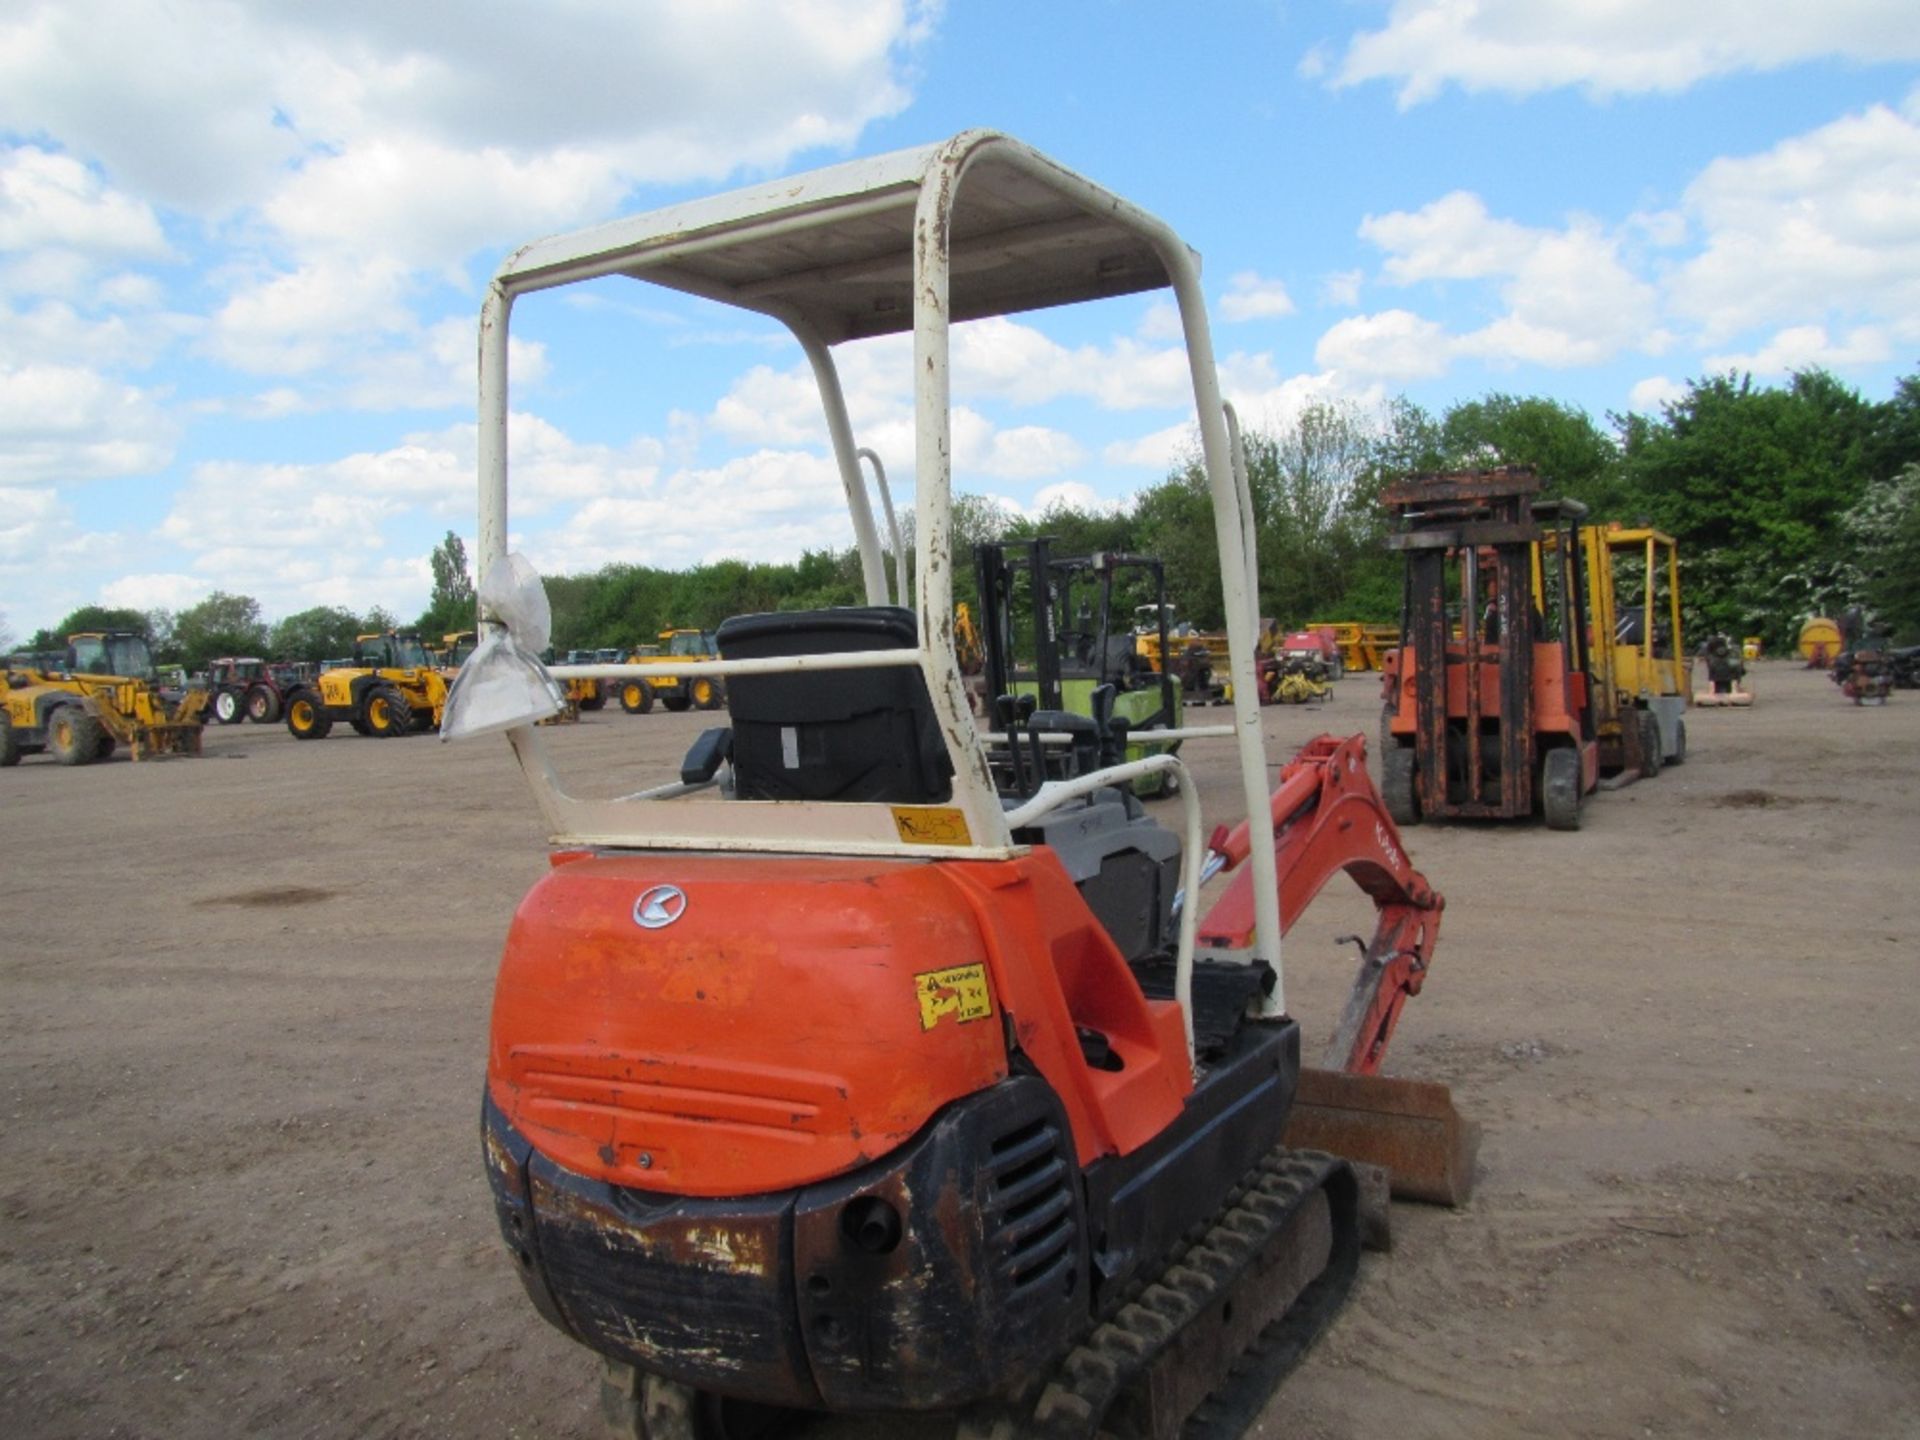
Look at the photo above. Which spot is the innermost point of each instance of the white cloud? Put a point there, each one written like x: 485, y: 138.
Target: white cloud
x: 1341, y: 288
x: 1824, y: 225
x: 1251, y: 296
x: 1650, y: 394
x: 1161, y: 450
x: 1614, y: 47
x: 641, y: 92
x: 1162, y: 322
x: 1803, y: 347
x: 1026, y: 452
x: 772, y: 504
x: 299, y: 321
x: 1453, y: 238
x: 1390, y: 345
x: 1570, y: 297
x: 65, y: 423
x: 1072, y: 495
x: 50, y: 201
x: 48, y: 562
x: 53, y: 332
x: 161, y: 591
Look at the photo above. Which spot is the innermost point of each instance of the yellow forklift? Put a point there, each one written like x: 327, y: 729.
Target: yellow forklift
x: 1639, y: 661
x: 101, y: 694
x: 389, y: 688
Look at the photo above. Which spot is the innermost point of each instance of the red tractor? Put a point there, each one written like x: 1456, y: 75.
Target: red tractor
x: 248, y: 688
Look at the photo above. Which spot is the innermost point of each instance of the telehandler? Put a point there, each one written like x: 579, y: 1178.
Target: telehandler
x: 687, y: 684
x: 102, y: 693
x: 825, y: 1077
x: 389, y: 688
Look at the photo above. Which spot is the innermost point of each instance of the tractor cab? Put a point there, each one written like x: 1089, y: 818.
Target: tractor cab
x: 391, y: 650
x: 118, y: 654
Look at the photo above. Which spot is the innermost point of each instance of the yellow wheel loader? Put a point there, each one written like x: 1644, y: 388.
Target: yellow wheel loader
x: 100, y: 695
x: 389, y: 688
x: 683, y: 687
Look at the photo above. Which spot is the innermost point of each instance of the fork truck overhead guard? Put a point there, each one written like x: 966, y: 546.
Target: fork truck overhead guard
x: 824, y: 1077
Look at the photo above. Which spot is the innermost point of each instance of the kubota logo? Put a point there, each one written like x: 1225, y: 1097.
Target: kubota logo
x: 659, y: 906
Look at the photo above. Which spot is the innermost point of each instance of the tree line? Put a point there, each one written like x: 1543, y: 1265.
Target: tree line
x: 1786, y: 501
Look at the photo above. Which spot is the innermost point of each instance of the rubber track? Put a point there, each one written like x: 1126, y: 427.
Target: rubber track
x: 1212, y: 1261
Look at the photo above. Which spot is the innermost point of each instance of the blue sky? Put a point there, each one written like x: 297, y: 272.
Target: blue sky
x: 242, y: 247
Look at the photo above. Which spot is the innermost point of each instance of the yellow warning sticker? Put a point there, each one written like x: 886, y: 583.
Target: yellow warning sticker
x: 959, y: 991
x: 931, y: 825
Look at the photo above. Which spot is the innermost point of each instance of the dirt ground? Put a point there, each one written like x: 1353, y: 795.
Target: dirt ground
x: 244, y: 1006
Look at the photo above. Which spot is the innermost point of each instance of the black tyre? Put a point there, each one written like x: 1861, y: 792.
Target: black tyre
x: 73, y: 735
x: 636, y: 697
x: 307, y: 718
x: 1560, y: 788
x: 1338, y: 669
x: 103, y: 747
x: 229, y: 707
x: 387, y: 713
x: 1649, y: 745
x: 9, y: 746
x: 707, y: 694
x: 1679, y: 743
x: 596, y: 696
x: 263, y: 705
x: 1396, y: 784
x: 675, y: 703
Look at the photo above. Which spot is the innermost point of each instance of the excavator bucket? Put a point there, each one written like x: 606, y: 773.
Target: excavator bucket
x: 1327, y: 817
x: 1407, y: 1127
x: 153, y: 742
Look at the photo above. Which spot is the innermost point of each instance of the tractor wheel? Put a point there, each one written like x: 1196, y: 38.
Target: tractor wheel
x: 103, y: 747
x: 1679, y: 743
x: 1649, y: 745
x: 1560, y: 788
x: 73, y: 735
x: 675, y: 703
x: 596, y: 698
x: 707, y: 694
x: 1396, y: 784
x: 9, y: 747
x: 307, y: 718
x: 229, y: 708
x: 387, y: 713
x: 1338, y: 669
x: 636, y: 697
x: 263, y: 705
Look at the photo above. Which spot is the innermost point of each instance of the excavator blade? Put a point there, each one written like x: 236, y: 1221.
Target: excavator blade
x: 1407, y: 1127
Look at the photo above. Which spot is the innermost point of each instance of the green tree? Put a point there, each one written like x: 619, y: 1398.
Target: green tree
x: 1573, y: 455
x: 221, y: 624
x: 89, y: 617
x: 1753, y: 482
x: 326, y: 632
x: 1884, y: 527
x: 452, y: 605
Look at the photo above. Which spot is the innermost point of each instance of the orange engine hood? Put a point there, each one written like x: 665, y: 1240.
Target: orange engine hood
x: 794, y: 1019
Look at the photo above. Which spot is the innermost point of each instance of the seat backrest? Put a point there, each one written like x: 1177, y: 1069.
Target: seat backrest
x: 858, y: 735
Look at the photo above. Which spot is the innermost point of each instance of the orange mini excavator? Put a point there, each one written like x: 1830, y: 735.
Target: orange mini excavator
x: 825, y: 1077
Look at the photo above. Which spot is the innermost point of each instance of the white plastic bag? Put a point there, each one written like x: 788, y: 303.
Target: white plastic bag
x: 503, y: 685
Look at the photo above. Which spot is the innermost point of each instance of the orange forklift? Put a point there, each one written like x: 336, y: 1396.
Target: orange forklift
x: 1489, y: 705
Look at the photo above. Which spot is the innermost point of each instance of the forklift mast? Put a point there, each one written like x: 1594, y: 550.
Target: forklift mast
x: 1486, y: 607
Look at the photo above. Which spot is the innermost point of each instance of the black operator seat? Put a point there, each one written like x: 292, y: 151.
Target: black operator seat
x: 859, y: 735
